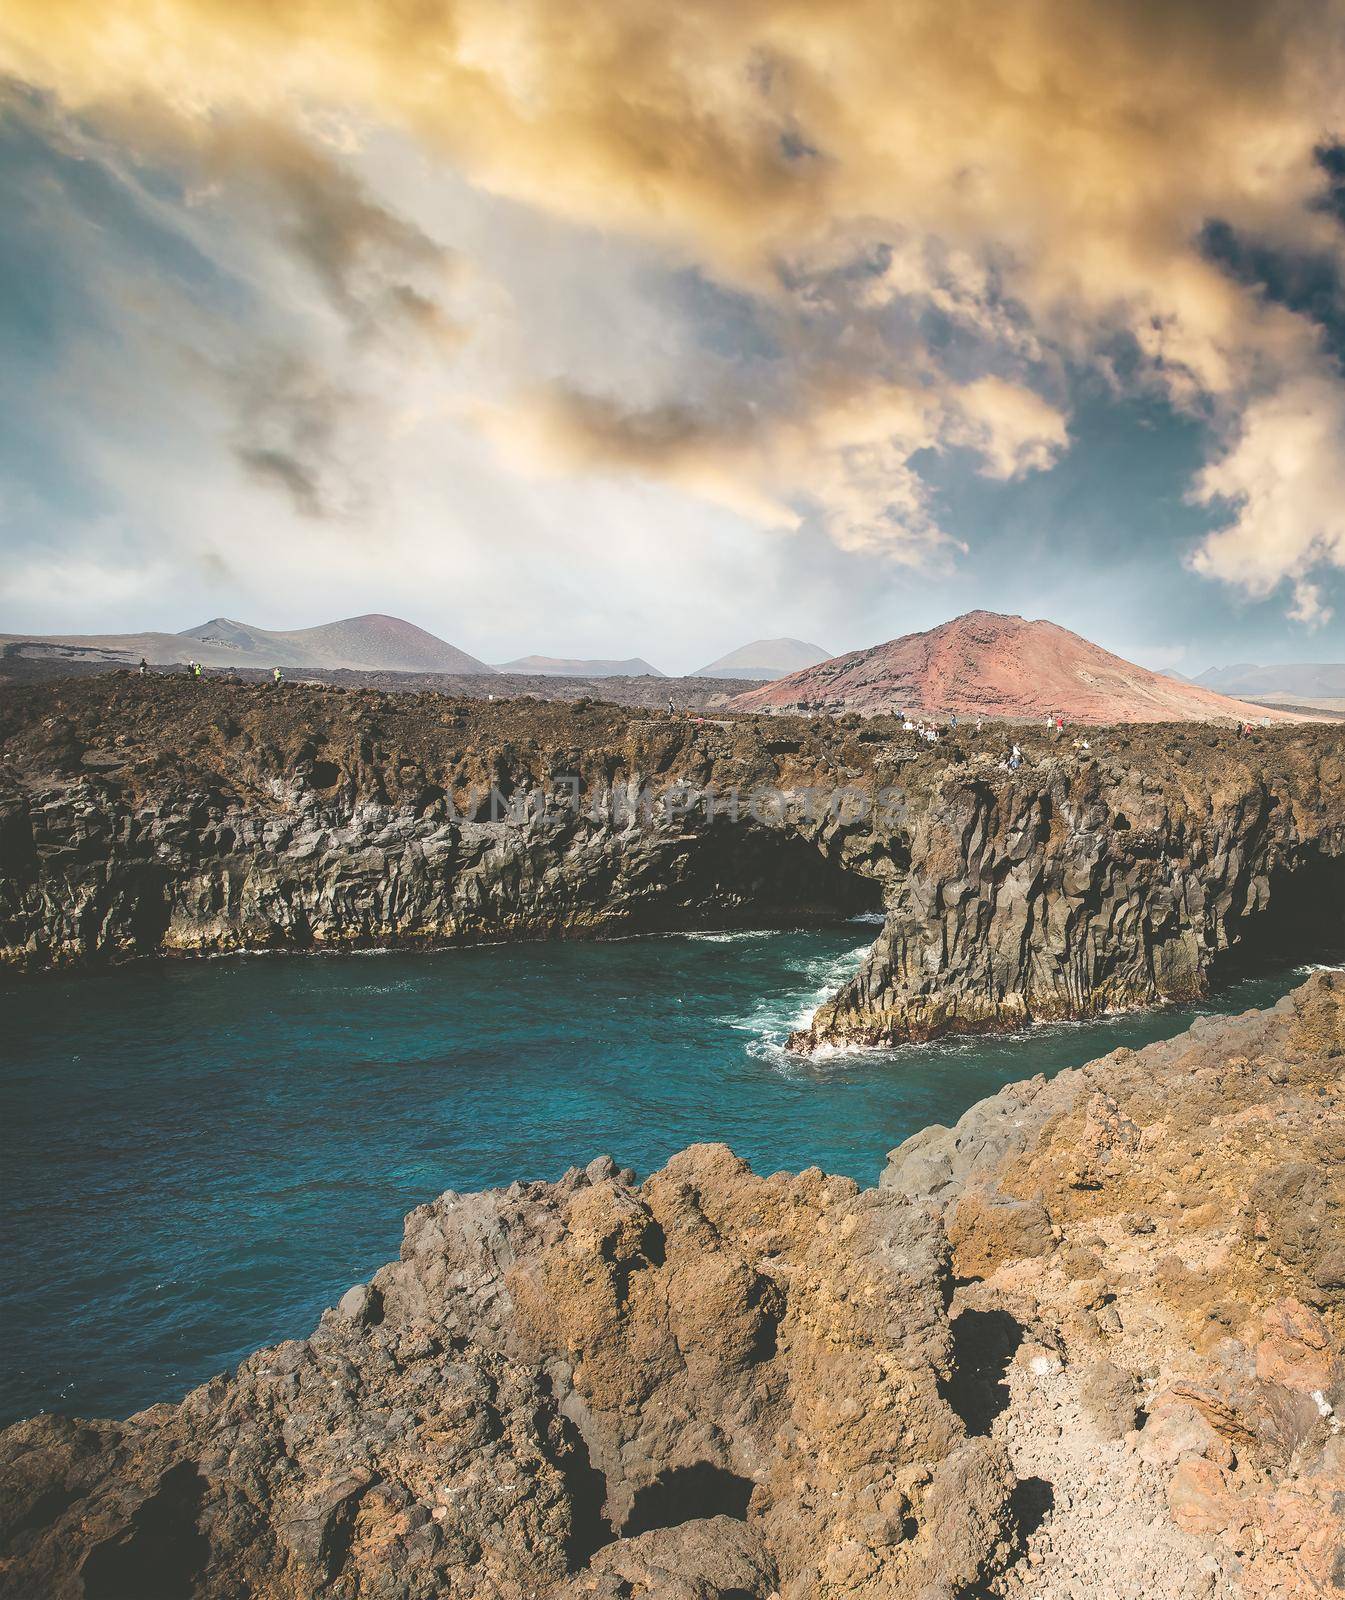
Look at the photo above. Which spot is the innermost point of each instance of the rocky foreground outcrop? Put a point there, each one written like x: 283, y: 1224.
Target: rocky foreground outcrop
x: 1151, y: 1263
x: 1090, y: 1342
x: 163, y: 816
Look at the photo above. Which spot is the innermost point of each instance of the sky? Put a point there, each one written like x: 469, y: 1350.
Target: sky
x: 615, y: 328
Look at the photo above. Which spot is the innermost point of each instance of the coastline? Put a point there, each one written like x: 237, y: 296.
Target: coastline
x: 1002, y: 1304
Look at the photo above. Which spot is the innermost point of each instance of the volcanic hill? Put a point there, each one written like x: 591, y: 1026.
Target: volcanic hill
x: 987, y: 664
x: 765, y: 659
x: 373, y: 643
x: 570, y: 667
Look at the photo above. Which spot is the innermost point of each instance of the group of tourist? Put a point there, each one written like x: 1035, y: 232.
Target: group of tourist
x: 931, y: 732
x: 196, y: 670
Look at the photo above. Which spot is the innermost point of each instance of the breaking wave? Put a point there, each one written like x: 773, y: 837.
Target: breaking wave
x: 812, y: 980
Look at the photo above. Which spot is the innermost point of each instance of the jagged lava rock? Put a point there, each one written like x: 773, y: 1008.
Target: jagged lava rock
x: 1194, y: 1199
x: 560, y: 1389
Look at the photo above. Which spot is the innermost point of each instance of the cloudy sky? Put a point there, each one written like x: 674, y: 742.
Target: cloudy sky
x: 613, y: 327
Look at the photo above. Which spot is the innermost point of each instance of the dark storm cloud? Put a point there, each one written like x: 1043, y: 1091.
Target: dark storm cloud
x: 1309, y: 284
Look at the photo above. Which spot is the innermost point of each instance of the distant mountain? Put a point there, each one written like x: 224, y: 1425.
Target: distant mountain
x: 985, y: 664
x: 764, y: 660
x: 1294, y: 680
x: 371, y: 643
x: 565, y: 667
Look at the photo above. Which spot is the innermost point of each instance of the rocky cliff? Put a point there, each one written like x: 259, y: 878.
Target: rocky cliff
x: 140, y: 817
x: 1082, y: 884
x: 1091, y: 1341
x: 144, y: 816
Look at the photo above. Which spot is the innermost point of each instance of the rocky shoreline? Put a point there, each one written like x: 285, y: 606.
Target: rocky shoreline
x: 1091, y: 1340
x: 165, y: 817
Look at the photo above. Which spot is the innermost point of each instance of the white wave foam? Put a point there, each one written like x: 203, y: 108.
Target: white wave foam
x: 775, y: 1017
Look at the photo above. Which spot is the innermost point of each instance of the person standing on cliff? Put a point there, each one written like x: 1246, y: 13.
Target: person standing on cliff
x: 276, y: 677
x: 144, y: 667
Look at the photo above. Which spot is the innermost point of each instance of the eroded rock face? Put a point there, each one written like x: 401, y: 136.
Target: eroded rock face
x: 1171, y: 1343
x: 709, y: 1384
x: 1084, y: 887
x: 165, y: 816
x: 1091, y: 1341
x: 139, y: 817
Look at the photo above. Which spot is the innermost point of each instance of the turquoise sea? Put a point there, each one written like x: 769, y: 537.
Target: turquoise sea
x: 198, y: 1157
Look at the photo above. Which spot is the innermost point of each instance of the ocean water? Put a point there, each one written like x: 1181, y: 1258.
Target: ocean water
x: 197, y: 1158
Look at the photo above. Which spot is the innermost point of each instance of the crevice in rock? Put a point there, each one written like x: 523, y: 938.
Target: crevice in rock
x: 161, y: 1553
x: 589, y: 1528
x: 649, y: 1254
x: 48, y: 1507
x: 686, y: 1494
x: 984, y: 1343
x: 587, y: 1488
x: 151, y: 916
x: 763, y: 1297
x: 1032, y: 1502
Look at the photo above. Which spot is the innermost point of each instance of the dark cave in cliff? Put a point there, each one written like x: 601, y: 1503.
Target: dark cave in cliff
x: 749, y: 875
x: 1303, y: 920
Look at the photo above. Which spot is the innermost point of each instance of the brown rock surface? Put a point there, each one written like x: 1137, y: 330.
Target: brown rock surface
x: 1205, y: 1178
x: 551, y: 1392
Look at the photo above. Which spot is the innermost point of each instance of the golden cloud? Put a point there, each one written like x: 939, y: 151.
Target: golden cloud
x: 1059, y: 156
x: 844, y: 451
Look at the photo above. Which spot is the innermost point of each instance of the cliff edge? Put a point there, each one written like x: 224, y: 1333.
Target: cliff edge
x: 161, y: 816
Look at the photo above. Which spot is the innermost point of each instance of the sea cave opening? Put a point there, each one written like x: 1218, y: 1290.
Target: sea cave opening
x: 748, y: 875
x: 1303, y: 920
